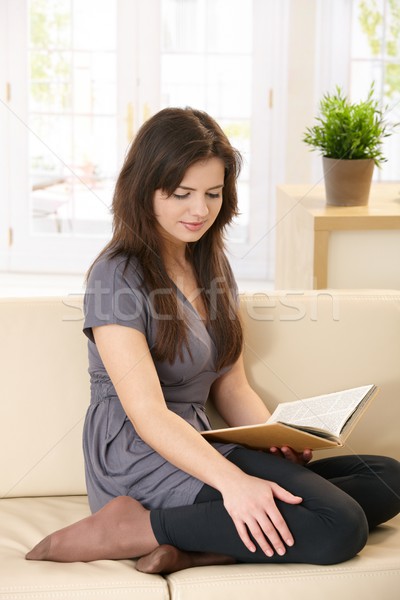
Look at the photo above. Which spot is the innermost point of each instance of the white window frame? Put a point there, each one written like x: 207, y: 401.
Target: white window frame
x: 255, y: 259
x: 4, y: 135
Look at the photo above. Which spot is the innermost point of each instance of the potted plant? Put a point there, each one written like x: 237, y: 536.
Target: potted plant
x: 349, y: 137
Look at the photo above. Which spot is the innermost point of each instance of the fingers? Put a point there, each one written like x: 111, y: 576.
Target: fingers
x: 268, y: 528
x: 277, y: 531
x: 284, y: 495
x: 290, y: 454
x: 270, y: 532
x: 260, y: 536
x: 276, y: 451
x: 307, y: 455
x: 256, y: 516
x: 244, y: 535
x: 298, y: 457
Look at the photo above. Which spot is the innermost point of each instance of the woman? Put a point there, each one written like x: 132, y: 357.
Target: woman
x: 164, y: 335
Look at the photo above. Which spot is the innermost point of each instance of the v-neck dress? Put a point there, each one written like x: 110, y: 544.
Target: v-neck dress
x: 117, y: 461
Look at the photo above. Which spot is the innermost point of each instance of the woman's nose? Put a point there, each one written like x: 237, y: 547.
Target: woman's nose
x: 199, y: 206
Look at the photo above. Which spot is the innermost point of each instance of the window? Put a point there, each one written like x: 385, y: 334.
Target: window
x: 208, y: 65
x: 72, y: 115
x: 369, y: 51
x: 60, y: 137
x: 83, y: 76
x: 375, y: 56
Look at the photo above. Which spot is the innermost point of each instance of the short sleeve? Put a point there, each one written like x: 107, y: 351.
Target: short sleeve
x: 114, y: 295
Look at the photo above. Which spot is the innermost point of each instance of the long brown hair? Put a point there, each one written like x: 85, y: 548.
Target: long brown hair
x: 163, y: 149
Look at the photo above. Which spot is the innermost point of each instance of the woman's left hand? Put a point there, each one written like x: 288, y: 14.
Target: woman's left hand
x: 300, y: 458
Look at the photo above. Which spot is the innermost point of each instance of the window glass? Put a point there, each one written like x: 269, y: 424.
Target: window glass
x: 375, y: 49
x: 72, y: 115
x: 206, y: 63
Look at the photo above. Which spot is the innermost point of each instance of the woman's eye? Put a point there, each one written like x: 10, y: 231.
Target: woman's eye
x: 211, y: 195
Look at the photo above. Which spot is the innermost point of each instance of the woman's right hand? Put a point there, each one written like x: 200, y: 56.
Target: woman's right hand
x: 251, y: 505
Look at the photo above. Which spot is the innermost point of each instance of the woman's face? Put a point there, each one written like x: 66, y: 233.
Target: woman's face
x: 193, y: 207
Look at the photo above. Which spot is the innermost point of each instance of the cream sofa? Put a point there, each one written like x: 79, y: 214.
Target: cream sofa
x: 297, y: 345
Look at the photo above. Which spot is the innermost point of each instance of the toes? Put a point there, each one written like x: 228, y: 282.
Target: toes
x: 40, y: 551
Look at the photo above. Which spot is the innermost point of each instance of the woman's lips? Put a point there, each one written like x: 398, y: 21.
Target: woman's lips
x: 193, y: 226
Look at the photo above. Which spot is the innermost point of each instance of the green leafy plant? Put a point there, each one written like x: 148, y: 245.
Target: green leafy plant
x: 349, y: 131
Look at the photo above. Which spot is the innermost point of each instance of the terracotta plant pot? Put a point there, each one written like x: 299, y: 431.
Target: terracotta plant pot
x: 347, y: 182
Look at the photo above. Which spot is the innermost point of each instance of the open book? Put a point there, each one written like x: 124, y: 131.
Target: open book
x: 315, y: 423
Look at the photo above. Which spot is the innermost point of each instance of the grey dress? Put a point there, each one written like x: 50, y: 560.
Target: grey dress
x: 117, y: 461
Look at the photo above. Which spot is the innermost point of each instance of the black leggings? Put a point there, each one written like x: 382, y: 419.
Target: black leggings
x: 343, y: 499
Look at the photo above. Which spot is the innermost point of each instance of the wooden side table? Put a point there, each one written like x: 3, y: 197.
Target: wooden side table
x: 320, y: 246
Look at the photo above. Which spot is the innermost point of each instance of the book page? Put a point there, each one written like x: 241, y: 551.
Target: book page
x: 329, y: 412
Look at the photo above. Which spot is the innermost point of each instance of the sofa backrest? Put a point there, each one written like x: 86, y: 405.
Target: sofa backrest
x: 305, y: 344
x: 297, y: 345
x: 44, y: 396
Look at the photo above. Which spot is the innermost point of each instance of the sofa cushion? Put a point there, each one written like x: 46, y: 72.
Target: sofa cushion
x: 25, y: 521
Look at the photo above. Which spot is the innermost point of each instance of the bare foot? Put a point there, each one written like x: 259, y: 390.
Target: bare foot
x: 121, y: 529
x: 168, y: 559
